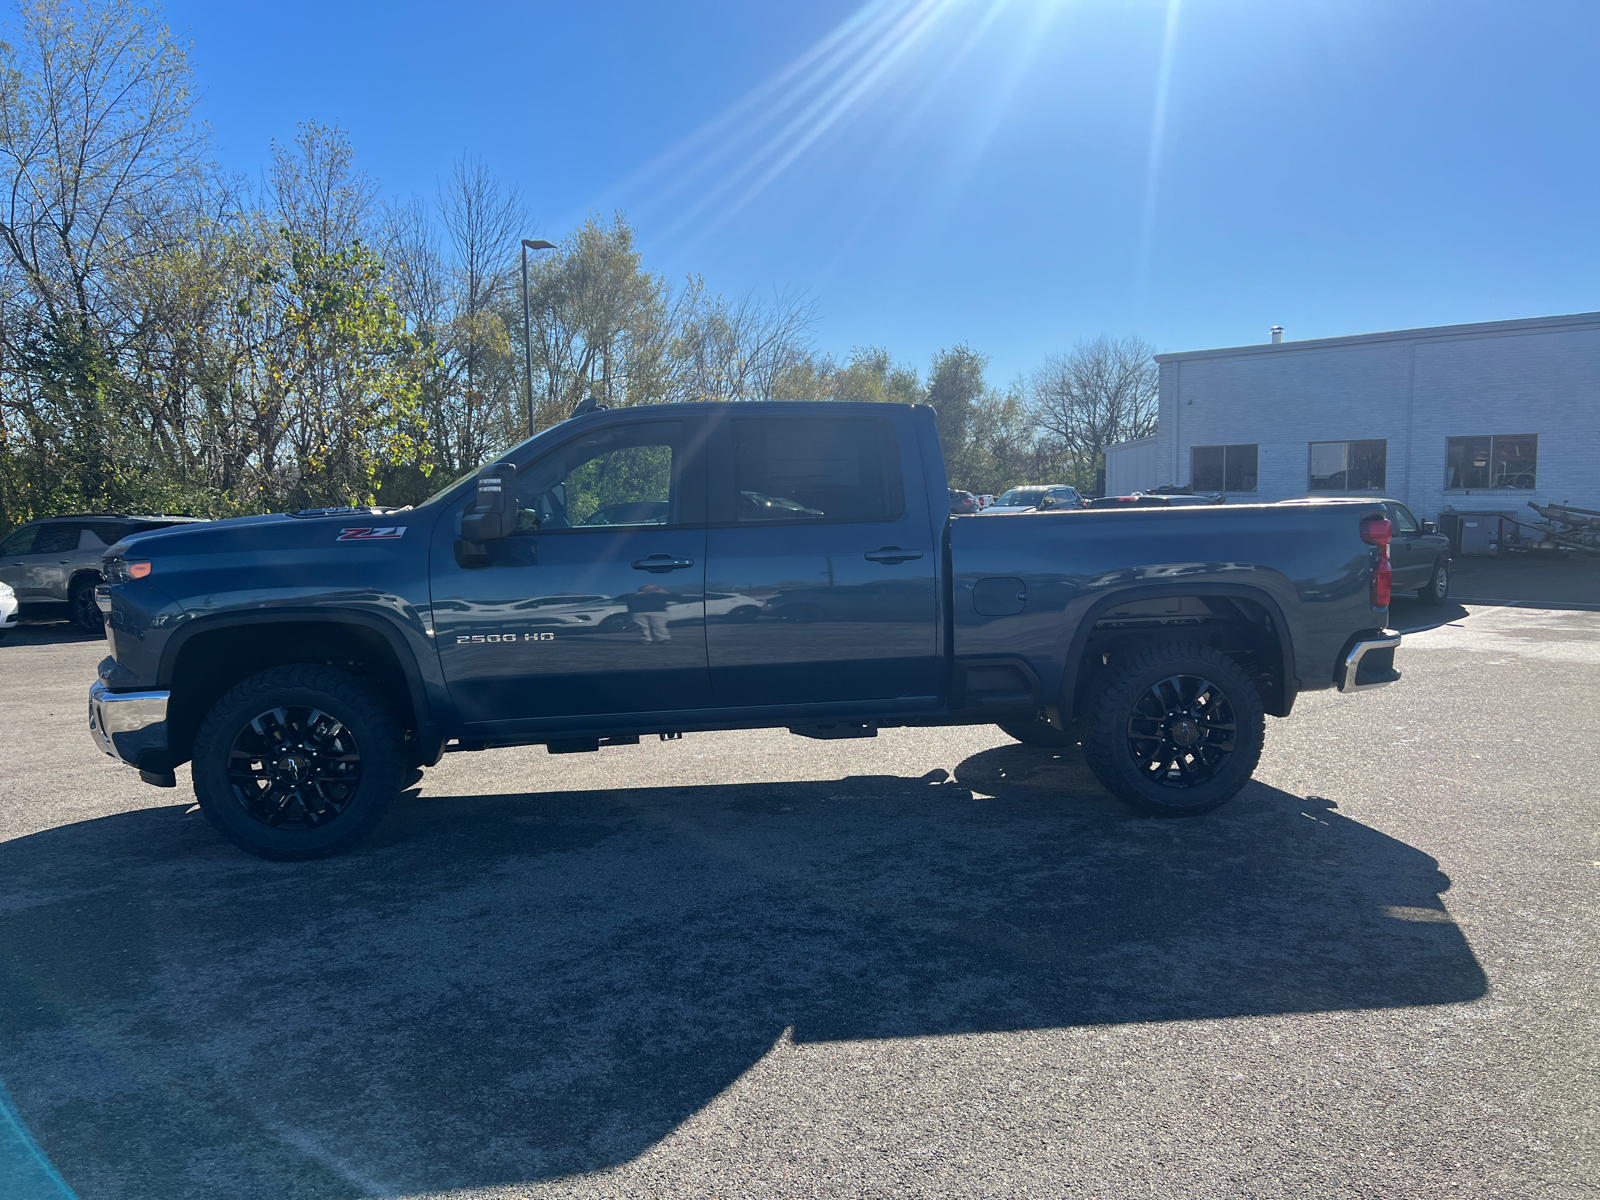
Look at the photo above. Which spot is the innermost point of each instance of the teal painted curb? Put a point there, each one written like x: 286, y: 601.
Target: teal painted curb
x: 25, y: 1172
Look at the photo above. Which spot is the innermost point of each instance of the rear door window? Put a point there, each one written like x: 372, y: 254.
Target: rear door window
x: 817, y: 469
x: 58, y: 538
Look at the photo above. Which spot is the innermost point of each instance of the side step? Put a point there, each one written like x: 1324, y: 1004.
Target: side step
x: 587, y: 745
x: 836, y: 729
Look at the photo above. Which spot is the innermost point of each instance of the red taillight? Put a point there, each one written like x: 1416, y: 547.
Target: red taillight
x: 1382, y: 582
x: 1376, y: 531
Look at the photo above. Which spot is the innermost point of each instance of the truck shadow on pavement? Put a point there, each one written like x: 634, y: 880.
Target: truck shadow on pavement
x: 508, y: 988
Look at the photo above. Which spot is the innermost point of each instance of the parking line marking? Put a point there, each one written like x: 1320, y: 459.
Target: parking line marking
x: 1575, y: 605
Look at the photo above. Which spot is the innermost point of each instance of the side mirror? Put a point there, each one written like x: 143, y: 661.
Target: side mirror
x: 491, y: 516
x: 493, y: 513
x: 1429, y: 527
x: 1046, y: 502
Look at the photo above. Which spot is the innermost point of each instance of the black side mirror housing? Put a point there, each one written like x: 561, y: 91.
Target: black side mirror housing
x: 492, y: 515
x: 1429, y: 527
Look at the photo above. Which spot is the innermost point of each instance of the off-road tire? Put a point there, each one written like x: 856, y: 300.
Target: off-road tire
x: 1037, y: 732
x: 347, y: 699
x: 1111, y: 706
x: 86, y: 614
x: 1437, y: 589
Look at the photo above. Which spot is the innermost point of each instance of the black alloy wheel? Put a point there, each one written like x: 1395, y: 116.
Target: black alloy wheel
x: 1181, y: 731
x: 300, y: 761
x: 86, y: 614
x: 294, y: 767
x: 1173, y: 728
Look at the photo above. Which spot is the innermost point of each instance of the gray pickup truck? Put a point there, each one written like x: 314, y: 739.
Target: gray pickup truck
x: 652, y: 571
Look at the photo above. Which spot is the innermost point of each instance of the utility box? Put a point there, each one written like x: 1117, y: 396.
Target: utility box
x: 1480, y: 532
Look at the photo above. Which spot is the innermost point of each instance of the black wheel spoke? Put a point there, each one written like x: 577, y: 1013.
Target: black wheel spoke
x: 1182, y: 731
x: 294, y: 767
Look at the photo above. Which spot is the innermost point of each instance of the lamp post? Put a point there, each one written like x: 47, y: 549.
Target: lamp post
x: 527, y: 322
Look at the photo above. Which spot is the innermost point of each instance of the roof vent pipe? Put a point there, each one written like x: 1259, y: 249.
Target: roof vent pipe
x: 1277, y: 334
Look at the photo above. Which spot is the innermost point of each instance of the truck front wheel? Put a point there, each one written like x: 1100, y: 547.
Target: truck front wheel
x: 1175, y: 729
x: 298, y: 762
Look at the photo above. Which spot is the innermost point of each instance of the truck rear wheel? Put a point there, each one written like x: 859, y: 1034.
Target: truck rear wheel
x: 298, y: 762
x: 1037, y: 732
x: 1175, y: 729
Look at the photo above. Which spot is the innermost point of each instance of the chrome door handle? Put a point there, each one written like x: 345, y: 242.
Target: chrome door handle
x: 892, y: 554
x: 660, y: 564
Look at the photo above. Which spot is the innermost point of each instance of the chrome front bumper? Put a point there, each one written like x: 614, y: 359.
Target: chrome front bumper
x: 126, y: 724
x: 1370, y: 663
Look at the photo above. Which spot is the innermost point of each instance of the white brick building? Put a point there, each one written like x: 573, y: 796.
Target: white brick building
x: 1456, y: 418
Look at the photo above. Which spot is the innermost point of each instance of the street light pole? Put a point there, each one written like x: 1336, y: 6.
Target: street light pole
x: 527, y: 322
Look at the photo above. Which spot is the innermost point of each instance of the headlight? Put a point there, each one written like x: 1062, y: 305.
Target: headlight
x: 6, y: 592
x: 121, y: 570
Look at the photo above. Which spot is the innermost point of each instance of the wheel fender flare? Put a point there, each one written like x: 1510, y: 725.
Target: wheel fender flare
x: 1080, y: 636
x: 427, y: 726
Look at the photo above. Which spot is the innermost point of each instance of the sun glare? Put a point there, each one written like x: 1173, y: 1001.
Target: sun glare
x: 903, y: 49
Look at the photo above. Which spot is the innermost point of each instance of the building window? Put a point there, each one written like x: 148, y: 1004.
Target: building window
x: 1348, y: 466
x: 1222, y: 468
x: 1504, y: 461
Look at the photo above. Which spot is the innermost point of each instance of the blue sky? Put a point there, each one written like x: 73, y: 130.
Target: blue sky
x: 1011, y: 175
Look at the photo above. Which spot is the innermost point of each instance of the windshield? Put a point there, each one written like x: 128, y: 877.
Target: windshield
x: 1021, y: 496
x: 466, y: 475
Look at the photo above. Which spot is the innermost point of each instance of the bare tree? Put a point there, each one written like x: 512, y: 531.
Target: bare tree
x: 740, y: 349
x: 1104, y: 391
x: 481, y: 218
x: 96, y: 135
x: 316, y: 191
x: 95, y: 129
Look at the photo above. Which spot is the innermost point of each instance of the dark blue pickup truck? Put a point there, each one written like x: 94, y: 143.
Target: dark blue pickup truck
x: 657, y: 570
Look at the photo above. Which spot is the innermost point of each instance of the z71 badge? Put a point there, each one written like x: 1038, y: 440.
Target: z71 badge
x: 368, y: 533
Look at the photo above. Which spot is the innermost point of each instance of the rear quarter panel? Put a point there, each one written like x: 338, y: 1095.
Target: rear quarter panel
x: 1307, y: 560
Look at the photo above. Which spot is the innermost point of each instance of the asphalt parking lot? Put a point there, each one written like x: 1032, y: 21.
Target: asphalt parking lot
x: 933, y: 964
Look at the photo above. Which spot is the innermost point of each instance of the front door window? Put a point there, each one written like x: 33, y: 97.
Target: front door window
x: 596, y: 604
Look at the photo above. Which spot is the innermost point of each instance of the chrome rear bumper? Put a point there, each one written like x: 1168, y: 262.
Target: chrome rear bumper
x: 1370, y: 663
x: 126, y: 724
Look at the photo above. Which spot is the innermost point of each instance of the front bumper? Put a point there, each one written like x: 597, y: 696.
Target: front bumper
x: 126, y: 725
x: 1369, y: 662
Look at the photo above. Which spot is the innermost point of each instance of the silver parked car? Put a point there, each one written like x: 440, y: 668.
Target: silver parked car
x: 1035, y: 498
x: 56, y: 560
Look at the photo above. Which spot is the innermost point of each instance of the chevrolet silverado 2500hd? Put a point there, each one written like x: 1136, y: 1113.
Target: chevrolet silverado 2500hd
x: 657, y: 570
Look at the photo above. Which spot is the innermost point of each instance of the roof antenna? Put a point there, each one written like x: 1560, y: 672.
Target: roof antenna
x: 590, y: 403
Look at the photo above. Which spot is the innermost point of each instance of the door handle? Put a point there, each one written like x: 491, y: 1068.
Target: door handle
x: 892, y: 554
x: 660, y: 564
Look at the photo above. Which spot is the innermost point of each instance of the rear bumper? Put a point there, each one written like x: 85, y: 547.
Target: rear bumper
x: 126, y: 725
x: 1368, y: 662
